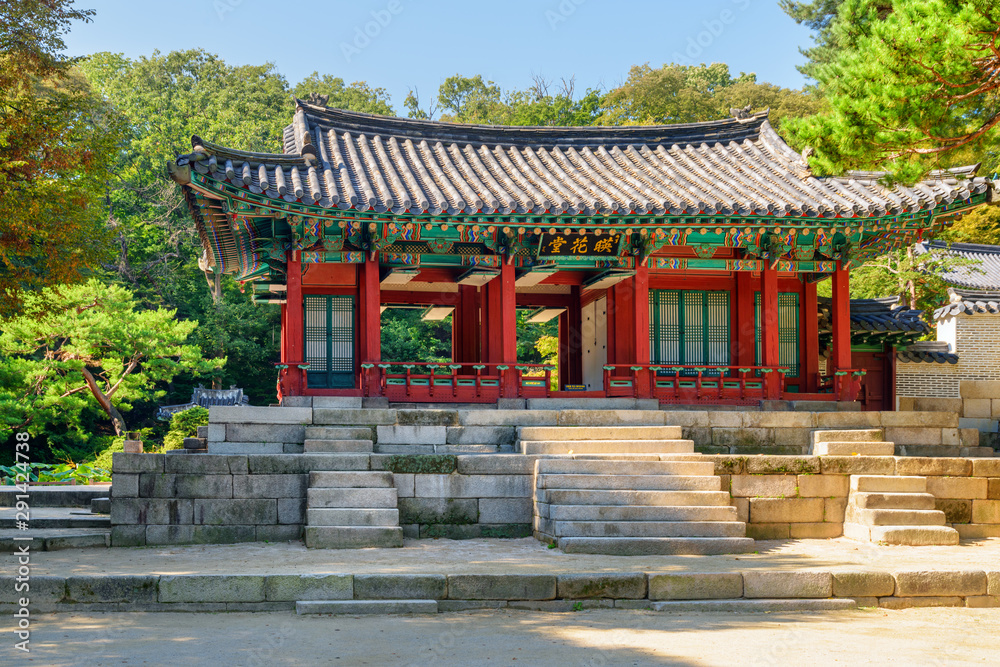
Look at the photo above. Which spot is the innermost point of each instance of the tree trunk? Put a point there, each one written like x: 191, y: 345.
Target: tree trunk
x: 116, y: 417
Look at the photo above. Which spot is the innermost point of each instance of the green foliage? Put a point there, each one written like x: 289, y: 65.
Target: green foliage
x: 78, y: 349
x: 108, y: 446
x: 406, y: 337
x: 63, y: 473
x: 358, y: 96
x: 184, y: 424
x: 818, y: 16
x: 57, y: 145
x: 911, y: 86
x: 982, y: 225
x: 914, y: 278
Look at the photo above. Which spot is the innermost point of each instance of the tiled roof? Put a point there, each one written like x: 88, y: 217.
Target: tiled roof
x: 930, y: 351
x: 969, y: 302
x: 982, y: 275
x: 884, y: 315
x: 347, y: 160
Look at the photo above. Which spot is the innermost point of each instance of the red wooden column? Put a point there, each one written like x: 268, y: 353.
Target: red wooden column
x: 841, y: 326
x: 769, y: 329
x: 810, y: 338
x: 640, y: 330
x: 507, y: 329
x: 371, y: 320
x: 746, y: 327
x: 293, y: 334
x: 465, y: 327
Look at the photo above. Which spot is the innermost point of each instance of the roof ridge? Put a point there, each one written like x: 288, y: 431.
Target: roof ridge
x: 713, y: 131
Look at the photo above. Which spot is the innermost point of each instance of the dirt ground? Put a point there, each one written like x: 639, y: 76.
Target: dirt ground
x: 507, y: 637
x: 504, y: 556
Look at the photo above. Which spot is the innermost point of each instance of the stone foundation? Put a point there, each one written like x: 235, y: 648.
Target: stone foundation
x: 204, y: 498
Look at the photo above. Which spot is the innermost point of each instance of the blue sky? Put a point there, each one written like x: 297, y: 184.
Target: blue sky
x: 398, y: 44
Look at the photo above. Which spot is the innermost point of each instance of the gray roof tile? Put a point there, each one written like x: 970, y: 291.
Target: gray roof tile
x: 347, y: 160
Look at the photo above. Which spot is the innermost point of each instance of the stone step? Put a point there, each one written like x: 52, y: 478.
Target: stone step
x: 324, y: 516
x: 338, y: 446
x: 897, y: 501
x: 649, y: 528
x: 894, y: 517
x: 607, y: 447
x: 366, y: 607
x: 55, y: 539
x: 626, y: 482
x: 352, y: 537
x: 352, y: 498
x: 338, y: 433
x: 605, y: 467
x: 850, y: 448
x: 848, y: 435
x: 670, y: 498
x: 753, y: 606
x: 651, y: 546
x: 640, y: 513
x: 599, y: 432
x: 360, y: 479
x: 902, y: 535
x: 888, y: 484
x: 80, y: 521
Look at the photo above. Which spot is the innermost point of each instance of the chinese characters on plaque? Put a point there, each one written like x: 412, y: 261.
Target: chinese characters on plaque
x: 587, y: 245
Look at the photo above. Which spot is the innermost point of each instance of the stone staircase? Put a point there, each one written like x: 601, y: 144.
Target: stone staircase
x: 851, y: 442
x: 615, y: 490
x: 543, y: 440
x: 338, y: 440
x: 895, y: 510
x: 352, y: 510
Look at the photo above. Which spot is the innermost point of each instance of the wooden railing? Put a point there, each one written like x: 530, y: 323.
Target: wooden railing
x: 470, y: 382
x: 679, y: 383
x: 845, y: 383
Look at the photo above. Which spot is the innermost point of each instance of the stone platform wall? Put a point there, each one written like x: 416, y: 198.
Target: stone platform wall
x: 204, y: 498
x: 245, y: 430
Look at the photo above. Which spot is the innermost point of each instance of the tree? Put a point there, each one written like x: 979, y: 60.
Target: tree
x: 981, y: 225
x: 915, y: 278
x: 912, y: 85
x: 358, y: 96
x: 58, y: 142
x: 694, y: 93
x: 818, y: 16
x: 77, y: 347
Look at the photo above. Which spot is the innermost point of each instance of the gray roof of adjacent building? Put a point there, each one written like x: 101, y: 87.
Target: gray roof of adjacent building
x: 982, y: 272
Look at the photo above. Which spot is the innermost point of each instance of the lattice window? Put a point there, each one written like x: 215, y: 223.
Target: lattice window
x: 788, y: 331
x: 689, y: 327
x: 329, y: 333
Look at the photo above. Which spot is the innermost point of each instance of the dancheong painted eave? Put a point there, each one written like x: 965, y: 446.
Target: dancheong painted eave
x: 341, y: 160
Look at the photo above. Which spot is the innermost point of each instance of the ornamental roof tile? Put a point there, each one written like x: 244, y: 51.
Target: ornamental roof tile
x: 740, y: 166
x: 969, y: 302
x: 929, y: 351
x: 885, y: 315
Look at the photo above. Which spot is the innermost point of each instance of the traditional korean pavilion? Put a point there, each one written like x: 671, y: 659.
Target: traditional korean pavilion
x: 681, y: 261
